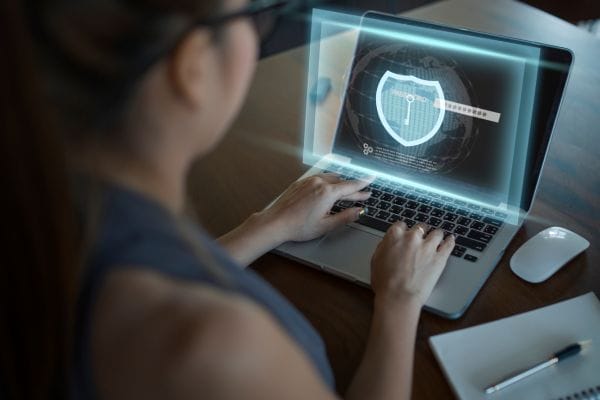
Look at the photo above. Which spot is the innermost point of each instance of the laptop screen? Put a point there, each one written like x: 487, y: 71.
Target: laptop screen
x: 454, y: 110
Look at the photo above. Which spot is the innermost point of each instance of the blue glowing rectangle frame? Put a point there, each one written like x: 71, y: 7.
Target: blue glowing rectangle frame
x: 526, y: 56
x: 554, y: 58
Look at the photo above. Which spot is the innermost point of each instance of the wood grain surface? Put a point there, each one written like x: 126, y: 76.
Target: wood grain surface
x: 261, y: 156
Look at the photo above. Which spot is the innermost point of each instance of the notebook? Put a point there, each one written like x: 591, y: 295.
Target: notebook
x: 476, y: 357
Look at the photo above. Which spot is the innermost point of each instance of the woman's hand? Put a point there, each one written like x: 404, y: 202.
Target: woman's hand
x: 407, y: 264
x: 301, y: 212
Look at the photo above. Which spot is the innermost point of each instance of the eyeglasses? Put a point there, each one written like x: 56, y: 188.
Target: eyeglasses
x: 264, y: 15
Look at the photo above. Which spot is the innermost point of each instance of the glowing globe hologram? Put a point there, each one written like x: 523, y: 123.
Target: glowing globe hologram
x: 455, y: 138
x: 406, y: 106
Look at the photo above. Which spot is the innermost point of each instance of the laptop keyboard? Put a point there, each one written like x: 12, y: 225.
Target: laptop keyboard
x: 474, y: 226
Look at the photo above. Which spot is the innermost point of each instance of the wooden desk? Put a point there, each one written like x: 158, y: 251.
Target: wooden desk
x: 262, y: 155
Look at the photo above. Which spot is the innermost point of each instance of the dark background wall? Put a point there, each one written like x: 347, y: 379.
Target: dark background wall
x: 292, y: 33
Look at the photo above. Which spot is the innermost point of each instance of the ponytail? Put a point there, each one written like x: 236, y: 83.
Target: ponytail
x: 38, y: 276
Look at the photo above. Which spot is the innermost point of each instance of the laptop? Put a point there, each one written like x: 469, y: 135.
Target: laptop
x: 455, y: 125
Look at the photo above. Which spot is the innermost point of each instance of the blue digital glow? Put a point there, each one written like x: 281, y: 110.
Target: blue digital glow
x: 394, y: 101
x: 341, y: 21
x: 498, y: 111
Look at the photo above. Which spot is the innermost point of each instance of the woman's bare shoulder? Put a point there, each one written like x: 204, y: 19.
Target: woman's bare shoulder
x: 160, y: 338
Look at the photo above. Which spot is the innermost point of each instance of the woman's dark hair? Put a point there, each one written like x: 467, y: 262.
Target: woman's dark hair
x: 96, y: 51
x: 68, y: 70
x: 39, y: 251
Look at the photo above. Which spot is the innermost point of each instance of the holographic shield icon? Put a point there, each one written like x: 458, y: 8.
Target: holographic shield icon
x: 410, y: 109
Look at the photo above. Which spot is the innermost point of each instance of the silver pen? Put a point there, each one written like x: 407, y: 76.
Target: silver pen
x: 567, y: 352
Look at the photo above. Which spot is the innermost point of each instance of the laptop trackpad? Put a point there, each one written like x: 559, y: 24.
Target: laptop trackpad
x: 348, y: 252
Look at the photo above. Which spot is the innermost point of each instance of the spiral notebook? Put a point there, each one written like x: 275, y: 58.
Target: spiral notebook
x: 476, y: 357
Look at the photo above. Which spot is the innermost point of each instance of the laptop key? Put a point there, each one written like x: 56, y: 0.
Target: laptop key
x: 487, y: 210
x: 399, y: 201
x: 461, y: 230
x: 371, y: 211
x: 433, y: 221
x: 425, y: 209
x: 375, y: 193
x: 394, y: 218
x: 396, y: 209
x: 383, y: 205
x: 371, y: 202
x: 436, y: 212
x: 458, y: 251
x: 374, y: 223
x: 384, y: 215
x: 412, y: 196
x: 470, y: 243
x: 437, y: 204
x: 449, y: 208
x: 450, y: 217
x: 421, y: 217
x: 491, y: 229
x: 482, y: 237
x: 492, y: 221
x: 409, y: 222
x: 462, y: 212
x: 398, y: 193
x: 408, y: 213
x: 471, y: 258
x: 447, y: 226
x: 424, y: 200
x: 412, y: 205
x: 476, y: 216
x: 335, y: 210
x: 477, y: 225
x: 387, y: 197
x: 464, y: 221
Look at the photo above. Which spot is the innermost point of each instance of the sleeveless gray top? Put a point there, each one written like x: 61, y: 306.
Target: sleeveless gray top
x: 136, y: 231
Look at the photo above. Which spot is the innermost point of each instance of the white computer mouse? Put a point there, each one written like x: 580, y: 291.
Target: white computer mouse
x: 545, y: 253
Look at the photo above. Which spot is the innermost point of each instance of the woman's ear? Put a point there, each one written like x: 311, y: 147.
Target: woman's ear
x: 189, y: 67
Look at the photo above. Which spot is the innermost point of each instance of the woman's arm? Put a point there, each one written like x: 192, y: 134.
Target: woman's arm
x: 299, y: 214
x: 158, y: 338
x: 404, y: 270
x: 253, y: 238
x: 385, y: 371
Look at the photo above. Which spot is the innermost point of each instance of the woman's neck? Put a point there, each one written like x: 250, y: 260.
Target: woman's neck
x: 161, y: 177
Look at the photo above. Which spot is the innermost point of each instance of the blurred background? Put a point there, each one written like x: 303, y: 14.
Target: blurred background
x: 292, y: 33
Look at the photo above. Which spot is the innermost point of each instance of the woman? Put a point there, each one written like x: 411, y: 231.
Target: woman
x: 142, y: 89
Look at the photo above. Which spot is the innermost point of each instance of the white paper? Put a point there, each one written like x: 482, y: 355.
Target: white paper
x: 475, y: 358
